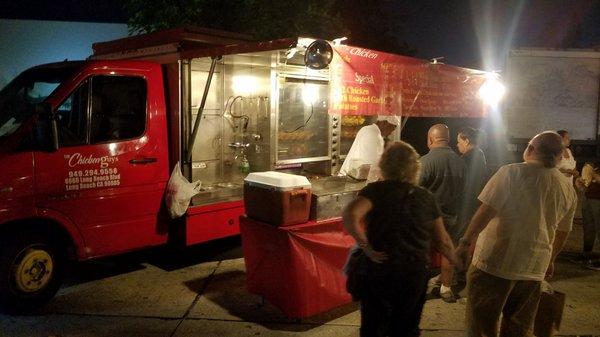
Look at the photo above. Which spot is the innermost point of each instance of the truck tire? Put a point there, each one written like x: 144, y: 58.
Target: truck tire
x: 32, y: 266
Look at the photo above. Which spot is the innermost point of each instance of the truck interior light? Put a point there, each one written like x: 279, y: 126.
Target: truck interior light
x: 310, y: 94
x: 492, y: 91
x: 244, y: 84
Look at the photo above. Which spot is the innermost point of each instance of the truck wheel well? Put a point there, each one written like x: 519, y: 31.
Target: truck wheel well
x: 51, y: 228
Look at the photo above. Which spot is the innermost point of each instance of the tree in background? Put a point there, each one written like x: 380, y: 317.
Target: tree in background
x: 262, y: 19
x: 372, y: 24
x: 379, y: 25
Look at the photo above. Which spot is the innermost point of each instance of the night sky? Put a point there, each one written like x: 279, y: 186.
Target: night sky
x: 471, y: 33
x: 108, y: 11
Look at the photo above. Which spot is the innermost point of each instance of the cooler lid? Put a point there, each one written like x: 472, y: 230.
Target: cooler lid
x: 278, y: 179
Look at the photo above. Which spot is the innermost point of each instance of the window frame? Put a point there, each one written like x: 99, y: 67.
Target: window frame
x: 88, y: 111
x: 86, y: 140
x: 145, y: 129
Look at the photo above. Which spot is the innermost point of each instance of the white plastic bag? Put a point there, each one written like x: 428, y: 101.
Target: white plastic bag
x: 179, y: 193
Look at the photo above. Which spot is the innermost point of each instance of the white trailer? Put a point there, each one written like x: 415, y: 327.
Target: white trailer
x: 553, y: 90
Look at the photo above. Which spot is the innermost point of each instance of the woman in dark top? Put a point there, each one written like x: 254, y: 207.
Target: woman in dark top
x: 401, y: 219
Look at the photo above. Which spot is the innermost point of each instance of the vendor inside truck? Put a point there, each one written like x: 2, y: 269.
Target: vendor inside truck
x: 363, y: 157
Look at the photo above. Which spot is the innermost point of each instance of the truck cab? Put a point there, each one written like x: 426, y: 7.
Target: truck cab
x: 85, y: 166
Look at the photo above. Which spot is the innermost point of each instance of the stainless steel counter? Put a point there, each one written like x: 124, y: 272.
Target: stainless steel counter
x: 219, y: 192
x: 331, y: 195
x: 333, y: 185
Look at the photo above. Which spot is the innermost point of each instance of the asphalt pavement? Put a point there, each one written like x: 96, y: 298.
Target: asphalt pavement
x: 200, y: 291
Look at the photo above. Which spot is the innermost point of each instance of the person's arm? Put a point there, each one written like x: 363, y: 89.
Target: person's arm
x: 559, y: 243
x: 443, y: 243
x: 480, y: 220
x: 353, y: 216
x: 560, y: 239
x: 493, y: 197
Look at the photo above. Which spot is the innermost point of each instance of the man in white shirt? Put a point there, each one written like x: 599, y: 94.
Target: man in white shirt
x: 368, y: 146
x: 526, y: 215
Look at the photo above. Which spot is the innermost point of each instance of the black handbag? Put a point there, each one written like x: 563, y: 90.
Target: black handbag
x: 356, y: 272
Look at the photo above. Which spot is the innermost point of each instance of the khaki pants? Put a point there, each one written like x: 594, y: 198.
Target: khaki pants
x: 490, y: 296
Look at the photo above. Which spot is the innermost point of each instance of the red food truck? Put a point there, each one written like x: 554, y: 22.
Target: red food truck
x: 87, y: 147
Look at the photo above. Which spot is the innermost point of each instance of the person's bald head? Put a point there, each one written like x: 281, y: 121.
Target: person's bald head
x: 438, y: 136
x: 546, y: 147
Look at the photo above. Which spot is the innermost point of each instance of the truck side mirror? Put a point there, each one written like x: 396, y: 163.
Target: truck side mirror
x: 46, y: 129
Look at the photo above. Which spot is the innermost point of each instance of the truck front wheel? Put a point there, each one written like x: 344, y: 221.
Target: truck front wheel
x: 31, y: 270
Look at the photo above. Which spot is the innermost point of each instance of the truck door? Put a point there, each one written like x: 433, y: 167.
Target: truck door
x: 111, y: 170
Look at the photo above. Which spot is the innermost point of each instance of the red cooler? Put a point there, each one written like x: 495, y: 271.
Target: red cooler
x: 277, y: 198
